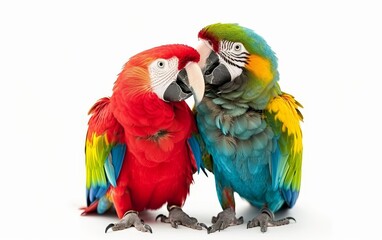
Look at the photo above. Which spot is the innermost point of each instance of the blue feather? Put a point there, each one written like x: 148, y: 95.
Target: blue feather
x: 276, y: 156
x: 195, y: 148
x: 290, y: 196
x: 103, y: 205
x: 92, y: 192
x: 113, y: 163
x: 101, y: 191
x: 118, y: 153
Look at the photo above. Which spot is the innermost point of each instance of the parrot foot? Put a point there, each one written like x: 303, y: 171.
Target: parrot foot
x: 177, y: 217
x: 130, y: 219
x: 267, y: 219
x: 224, y: 219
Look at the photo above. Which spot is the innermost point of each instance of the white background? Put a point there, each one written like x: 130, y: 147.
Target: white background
x: 58, y: 57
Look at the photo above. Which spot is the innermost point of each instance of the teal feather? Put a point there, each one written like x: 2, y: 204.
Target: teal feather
x: 229, y: 106
x: 113, y: 163
x: 239, y: 126
x: 233, y: 95
x: 103, y: 205
x: 220, y: 101
x: 249, y: 156
x: 236, y: 112
x: 244, y: 148
x: 246, y: 135
x: 228, y: 145
x: 195, y: 148
x: 109, y: 169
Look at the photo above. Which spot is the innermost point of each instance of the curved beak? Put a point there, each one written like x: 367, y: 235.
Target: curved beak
x: 214, y: 72
x: 189, y: 81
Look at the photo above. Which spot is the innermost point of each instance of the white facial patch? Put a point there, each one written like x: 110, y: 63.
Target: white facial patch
x: 162, y: 73
x: 233, y: 70
x: 234, y: 56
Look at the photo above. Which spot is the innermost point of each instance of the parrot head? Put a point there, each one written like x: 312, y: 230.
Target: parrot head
x: 229, y: 50
x: 170, y: 71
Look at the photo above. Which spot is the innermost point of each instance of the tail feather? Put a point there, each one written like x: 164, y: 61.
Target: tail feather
x: 99, y: 206
x: 90, y: 209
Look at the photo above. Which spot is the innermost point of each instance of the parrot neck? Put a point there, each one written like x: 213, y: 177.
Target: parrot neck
x: 147, y: 117
x: 154, y: 130
x: 245, y: 91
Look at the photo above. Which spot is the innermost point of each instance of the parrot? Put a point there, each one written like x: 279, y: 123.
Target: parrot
x: 250, y: 129
x: 140, y: 149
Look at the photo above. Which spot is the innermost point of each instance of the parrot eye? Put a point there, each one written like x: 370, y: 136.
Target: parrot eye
x: 237, y: 47
x: 161, y: 64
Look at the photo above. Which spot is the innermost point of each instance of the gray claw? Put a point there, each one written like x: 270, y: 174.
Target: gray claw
x: 109, y: 226
x: 178, y: 217
x: 130, y: 219
x: 203, y: 226
x: 291, y: 218
x: 223, y: 220
x: 148, y: 228
x: 267, y: 219
x: 162, y: 218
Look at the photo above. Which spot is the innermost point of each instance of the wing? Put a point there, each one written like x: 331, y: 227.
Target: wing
x: 284, y: 117
x: 104, y: 154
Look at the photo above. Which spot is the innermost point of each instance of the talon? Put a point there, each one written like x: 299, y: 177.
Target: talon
x: 267, y: 219
x: 129, y: 219
x: 148, y: 228
x: 109, y: 226
x: 177, y: 217
x: 291, y: 218
x: 203, y: 226
x: 240, y: 220
x: 161, y: 216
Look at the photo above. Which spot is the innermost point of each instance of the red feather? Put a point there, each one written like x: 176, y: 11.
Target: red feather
x: 158, y: 165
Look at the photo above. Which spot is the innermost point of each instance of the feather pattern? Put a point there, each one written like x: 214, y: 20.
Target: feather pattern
x: 103, y: 153
x: 140, y: 150
x: 249, y: 126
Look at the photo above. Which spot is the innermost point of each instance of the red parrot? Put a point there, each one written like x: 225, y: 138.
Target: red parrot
x: 140, y: 151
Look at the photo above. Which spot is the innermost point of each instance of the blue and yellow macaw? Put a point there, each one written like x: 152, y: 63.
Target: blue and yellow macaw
x: 250, y: 128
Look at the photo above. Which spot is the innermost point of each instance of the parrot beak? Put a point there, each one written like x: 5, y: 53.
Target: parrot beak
x: 214, y: 72
x: 196, y: 81
x: 189, y: 81
x: 204, y: 51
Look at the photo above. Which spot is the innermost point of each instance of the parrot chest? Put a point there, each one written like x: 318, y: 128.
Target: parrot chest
x: 241, y: 145
x: 155, y: 178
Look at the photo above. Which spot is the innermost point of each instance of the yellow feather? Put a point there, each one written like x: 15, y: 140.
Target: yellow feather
x: 261, y: 68
x: 97, y: 148
x: 286, y: 111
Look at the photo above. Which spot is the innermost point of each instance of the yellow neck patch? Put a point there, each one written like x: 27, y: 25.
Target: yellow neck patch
x: 260, y: 67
